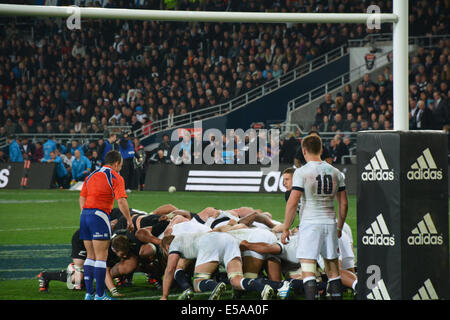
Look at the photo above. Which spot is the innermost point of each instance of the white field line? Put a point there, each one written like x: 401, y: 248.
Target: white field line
x: 37, y: 229
x: 14, y: 201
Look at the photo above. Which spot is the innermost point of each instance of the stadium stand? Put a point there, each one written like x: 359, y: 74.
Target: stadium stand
x: 129, y: 74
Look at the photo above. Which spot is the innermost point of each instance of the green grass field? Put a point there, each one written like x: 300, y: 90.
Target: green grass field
x: 36, y: 228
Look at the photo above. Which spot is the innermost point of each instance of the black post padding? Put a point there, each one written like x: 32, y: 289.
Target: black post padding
x: 402, y: 215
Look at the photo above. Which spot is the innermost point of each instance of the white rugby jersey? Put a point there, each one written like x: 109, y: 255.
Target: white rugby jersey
x: 254, y: 235
x: 319, y: 182
x: 289, y: 250
x: 186, y: 244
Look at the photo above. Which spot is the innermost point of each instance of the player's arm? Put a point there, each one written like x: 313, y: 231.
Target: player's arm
x: 145, y: 235
x: 123, y: 206
x: 342, y: 210
x: 83, y: 196
x: 289, y: 215
x: 81, y: 201
x: 260, y: 247
x: 172, y: 261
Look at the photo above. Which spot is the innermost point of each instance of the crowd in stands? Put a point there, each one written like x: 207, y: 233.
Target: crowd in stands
x: 134, y: 73
x: 369, y: 105
x: 76, y: 159
x: 113, y: 72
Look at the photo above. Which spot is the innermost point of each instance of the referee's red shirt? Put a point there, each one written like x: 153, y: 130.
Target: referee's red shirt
x: 101, y: 187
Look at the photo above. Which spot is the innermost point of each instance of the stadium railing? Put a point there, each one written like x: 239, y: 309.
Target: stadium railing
x: 338, y: 82
x: 242, y: 100
x: 83, y: 138
x: 427, y: 41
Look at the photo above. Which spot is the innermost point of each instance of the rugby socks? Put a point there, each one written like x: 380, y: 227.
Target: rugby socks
x: 252, y: 284
x: 89, y: 266
x: 297, y: 286
x: 310, y: 287
x: 59, y: 275
x: 182, y: 279
x: 207, y: 285
x: 335, y: 288
x: 274, y: 284
x: 100, y: 275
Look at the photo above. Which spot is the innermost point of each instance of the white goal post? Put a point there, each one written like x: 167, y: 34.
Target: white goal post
x: 399, y: 18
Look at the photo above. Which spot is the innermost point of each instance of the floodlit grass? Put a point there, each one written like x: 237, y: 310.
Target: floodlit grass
x: 37, y: 226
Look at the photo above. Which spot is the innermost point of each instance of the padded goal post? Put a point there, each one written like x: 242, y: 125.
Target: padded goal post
x: 402, y: 215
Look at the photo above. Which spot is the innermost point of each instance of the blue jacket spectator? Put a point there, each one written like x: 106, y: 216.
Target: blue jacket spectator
x: 126, y: 150
x: 61, y: 170
x: 81, y: 167
x: 48, y: 147
x: 76, y: 146
x: 15, y: 155
x: 109, y: 145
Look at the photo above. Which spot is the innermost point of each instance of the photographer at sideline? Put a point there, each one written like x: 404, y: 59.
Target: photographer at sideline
x: 139, y: 162
x: 126, y: 149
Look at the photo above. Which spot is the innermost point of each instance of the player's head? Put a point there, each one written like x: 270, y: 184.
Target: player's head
x: 121, y: 246
x: 114, y: 159
x: 287, y: 178
x: 312, y: 145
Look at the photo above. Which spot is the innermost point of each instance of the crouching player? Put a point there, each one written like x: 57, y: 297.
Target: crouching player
x: 209, y: 249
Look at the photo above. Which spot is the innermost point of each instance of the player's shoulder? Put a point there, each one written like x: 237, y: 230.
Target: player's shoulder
x: 331, y: 168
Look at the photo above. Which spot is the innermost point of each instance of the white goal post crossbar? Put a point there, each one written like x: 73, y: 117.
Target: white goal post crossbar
x: 399, y: 18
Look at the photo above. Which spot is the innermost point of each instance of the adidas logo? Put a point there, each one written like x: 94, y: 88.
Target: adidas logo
x: 378, y: 234
x: 379, y: 292
x: 425, y: 233
x: 424, y: 168
x: 426, y: 292
x: 377, y: 169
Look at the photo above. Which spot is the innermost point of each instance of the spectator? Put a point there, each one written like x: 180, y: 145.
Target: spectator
x: 423, y: 117
x: 75, y: 146
x: 38, y: 154
x: 159, y: 157
x: 27, y: 149
x: 338, y: 150
x: 139, y: 165
x: 81, y: 167
x: 126, y: 149
x: 110, y: 144
x: 49, y: 146
x: 68, y: 158
x: 165, y: 146
x: 15, y: 154
x: 96, y: 162
x: 61, y: 174
x: 439, y: 111
x: 3, y: 156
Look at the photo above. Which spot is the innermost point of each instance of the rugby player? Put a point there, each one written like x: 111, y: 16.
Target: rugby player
x: 317, y: 184
x: 209, y: 249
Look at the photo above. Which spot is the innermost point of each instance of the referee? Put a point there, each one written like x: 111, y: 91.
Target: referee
x: 96, y: 200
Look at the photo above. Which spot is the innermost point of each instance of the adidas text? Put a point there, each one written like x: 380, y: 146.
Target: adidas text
x: 425, y: 239
x: 378, y: 240
x: 424, y: 174
x: 377, y: 175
